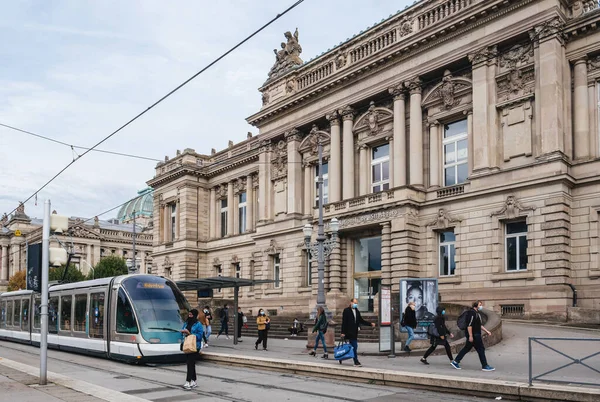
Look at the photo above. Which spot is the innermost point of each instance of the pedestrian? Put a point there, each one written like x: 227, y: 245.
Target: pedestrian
x: 224, y: 316
x: 204, y: 322
x: 474, y: 338
x: 442, y: 330
x: 208, y: 328
x: 320, y: 328
x: 262, y: 322
x: 409, y: 323
x: 296, y: 327
x: 351, y: 321
x: 240, y: 324
x: 192, y: 327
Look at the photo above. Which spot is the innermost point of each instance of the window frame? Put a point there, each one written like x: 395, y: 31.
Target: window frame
x: 276, y: 271
x: 60, y: 315
x: 447, y: 246
x: 91, y: 316
x: 325, y: 185
x: 455, y: 139
x: 223, y: 216
x: 74, y: 315
x: 516, y: 236
x: 242, y: 212
x: 173, y: 220
x: 237, y: 269
x: 379, y: 162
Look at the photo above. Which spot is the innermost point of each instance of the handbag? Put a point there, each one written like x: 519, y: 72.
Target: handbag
x: 189, y: 345
x: 268, y: 326
x: 343, y: 351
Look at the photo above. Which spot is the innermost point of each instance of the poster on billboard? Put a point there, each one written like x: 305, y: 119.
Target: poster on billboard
x: 424, y: 292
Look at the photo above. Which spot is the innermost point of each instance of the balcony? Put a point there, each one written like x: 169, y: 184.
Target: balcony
x: 371, y: 201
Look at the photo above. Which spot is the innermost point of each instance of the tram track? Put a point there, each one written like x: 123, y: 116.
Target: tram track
x: 218, y: 395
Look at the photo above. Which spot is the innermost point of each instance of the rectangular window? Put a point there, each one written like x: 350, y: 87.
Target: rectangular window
x: 25, y: 315
x: 224, y: 218
x: 53, y: 315
x: 380, y: 168
x: 65, y: 312
x: 126, y: 323
x: 516, y: 246
x: 242, y: 213
x: 97, y: 315
x: 276, y: 270
x: 37, y: 317
x: 238, y: 270
x: 9, y: 313
x: 2, y: 314
x: 173, y: 220
x: 80, y: 313
x: 325, y: 184
x: 447, y: 253
x: 456, y: 168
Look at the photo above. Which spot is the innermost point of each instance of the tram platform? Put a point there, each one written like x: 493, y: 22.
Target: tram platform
x: 20, y: 382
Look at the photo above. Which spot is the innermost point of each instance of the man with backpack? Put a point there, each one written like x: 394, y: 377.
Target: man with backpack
x: 439, y: 333
x: 224, y: 316
x: 470, y: 322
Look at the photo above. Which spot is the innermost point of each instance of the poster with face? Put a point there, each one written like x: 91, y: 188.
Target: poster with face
x: 424, y: 293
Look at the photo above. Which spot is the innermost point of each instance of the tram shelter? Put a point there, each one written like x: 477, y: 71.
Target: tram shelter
x: 221, y: 282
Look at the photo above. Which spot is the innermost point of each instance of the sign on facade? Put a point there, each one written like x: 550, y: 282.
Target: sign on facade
x: 424, y: 293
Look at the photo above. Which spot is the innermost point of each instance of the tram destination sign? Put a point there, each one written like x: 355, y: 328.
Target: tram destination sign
x: 34, y: 267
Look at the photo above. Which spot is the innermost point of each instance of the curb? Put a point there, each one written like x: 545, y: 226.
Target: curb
x: 406, y: 379
x: 550, y: 325
x: 71, y: 383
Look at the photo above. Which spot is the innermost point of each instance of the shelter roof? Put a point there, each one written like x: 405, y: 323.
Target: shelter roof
x: 219, y: 282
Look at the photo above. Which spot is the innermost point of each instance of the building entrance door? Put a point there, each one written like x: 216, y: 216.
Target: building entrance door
x: 367, y: 272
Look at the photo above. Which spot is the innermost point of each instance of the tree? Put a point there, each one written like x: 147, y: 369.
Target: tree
x: 109, y: 266
x: 17, y: 281
x: 73, y: 274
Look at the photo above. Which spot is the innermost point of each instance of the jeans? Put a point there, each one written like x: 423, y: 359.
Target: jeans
x: 354, y: 344
x: 224, y: 328
x: 208, y: 331
x: 321, y: 336
x: 411, y: 335
x: 478, y: 344
x: 435, y: 341
x: 190, y: 359
x: 262, y: 337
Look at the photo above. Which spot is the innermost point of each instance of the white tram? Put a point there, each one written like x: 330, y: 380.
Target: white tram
x: 133, y: 318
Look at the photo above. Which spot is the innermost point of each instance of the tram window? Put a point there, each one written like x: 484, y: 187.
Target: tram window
x: 65, y: 312
x: 17, y: 316
x: 37, y: 317
x: 3, y: 314
x: 80, y: 310
x: 25, y: 315
x: 126, y: 323
x: 9, y: 313
x: 97, y: 315
x: 53, y: 315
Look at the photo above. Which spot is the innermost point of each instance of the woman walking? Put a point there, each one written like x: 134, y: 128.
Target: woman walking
x: 320, y: 328
x: 409, y: 323
x: 442, y: 330
x: 192, y: 327
x: 207, y: 328
x: 262, y: 321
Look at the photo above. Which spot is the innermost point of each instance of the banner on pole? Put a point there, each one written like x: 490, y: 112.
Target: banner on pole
x: 34, y: 267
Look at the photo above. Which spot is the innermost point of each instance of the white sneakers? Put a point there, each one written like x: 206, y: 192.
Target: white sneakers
x: 190, y: 384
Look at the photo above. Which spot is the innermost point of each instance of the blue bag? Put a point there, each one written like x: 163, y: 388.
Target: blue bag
x: 343, y: 351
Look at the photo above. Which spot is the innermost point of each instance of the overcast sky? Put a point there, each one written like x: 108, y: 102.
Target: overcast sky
x: 77, y: 70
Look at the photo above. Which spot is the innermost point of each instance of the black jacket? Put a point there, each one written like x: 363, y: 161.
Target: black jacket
x: 410, y: 318
x: 350, y: 325
x: 440, y: 325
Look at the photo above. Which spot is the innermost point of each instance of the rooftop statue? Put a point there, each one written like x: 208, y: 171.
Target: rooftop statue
x: 288, y: 56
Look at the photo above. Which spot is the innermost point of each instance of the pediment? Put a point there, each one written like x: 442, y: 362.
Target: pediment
x: 310, y: 143
x: 448, y: 92
x: 373, y: 120
x: 84, y: 232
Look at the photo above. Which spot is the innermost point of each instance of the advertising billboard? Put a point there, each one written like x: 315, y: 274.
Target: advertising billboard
x: 424, y: 292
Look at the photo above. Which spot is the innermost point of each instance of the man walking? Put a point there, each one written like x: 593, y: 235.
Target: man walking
x: 474, y: 338
x: 240, y: 323
x: 351, y: 321
x: 224, y: 316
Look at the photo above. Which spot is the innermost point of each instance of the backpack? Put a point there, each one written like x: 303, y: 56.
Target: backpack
x: 433, y: 331
x: 462, y: 320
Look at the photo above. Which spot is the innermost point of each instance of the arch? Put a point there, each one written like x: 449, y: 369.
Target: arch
x: 448, y: 90
x: 310, y: 143
x: 372, y: 118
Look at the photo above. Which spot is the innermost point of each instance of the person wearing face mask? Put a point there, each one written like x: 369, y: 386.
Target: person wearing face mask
x: 409, y: 323
x: 192, y: 327
x: 351, y: 321
x: 442, y: 339
x: 261, y: 322
x: 474, y: 338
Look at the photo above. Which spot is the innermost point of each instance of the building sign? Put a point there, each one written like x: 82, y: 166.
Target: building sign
x: 34, y: 267
x: 424, y: 293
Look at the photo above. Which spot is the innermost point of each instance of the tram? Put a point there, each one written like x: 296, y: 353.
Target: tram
x: 131, y: 318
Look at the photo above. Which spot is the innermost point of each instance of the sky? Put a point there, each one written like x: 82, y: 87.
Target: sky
x: 77, y: 70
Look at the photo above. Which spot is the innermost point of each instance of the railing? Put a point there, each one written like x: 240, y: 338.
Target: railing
x: 573, y: 361
x: 315, y: 75
x: 450, y: 191
x: 513, y: 310
x: 374, y: 45
x: 442, y: 11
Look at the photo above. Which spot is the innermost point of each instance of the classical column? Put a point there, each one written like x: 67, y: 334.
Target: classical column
x: 177, y: 218
x: 335, y: 271
x: 88, y: 257
x: 364, y: 171
x: 581, y: 113
x: 4, y: 276
x: 386, y: 243
x: 335, y: 162
x: 308, y: 188
x: 481, y: 116
x: 348, y: 153
x: 264, y: 182
x: 249, y: 203
x: 230, y: 210
x: 469, y: 139
x: 166, y: 223
x: 212, y: 221
x: 416, y: 133
x: 399, y: 151
x: 294, y: 171
x: 434, y: 155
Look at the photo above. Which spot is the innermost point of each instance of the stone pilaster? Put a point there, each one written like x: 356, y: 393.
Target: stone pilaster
x: 416, y: 133
x: 364, y: 171
x: 399, y: 143
x: 335, y: 162
x: 335, y: 269
x: 230, y: 209
x: 264, y: 183
x: 177, y: 219
x: 581, y: 114
x: 556, y: 240
x: 434, y: 154
x: 249, y: 203
x: 308, y: 188
x: 348, y: 153
x: 405, y: 241
x: 294, y: 172
x: 386, y: 266
x: 4, y: 274
x: 470, y: 139
x: 166, y: 222
x: 212, y: 220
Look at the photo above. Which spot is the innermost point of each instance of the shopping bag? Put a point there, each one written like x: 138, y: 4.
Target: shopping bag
x: 189, y: 345
x: 343, y: 351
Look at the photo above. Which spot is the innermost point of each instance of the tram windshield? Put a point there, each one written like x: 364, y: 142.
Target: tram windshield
x: 160, y: 307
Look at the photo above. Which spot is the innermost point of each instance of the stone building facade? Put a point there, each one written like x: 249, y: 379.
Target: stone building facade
x: 462, y: 143
x: 89, y: 240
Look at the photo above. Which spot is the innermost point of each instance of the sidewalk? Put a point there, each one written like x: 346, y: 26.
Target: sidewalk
x: 20, y: 382
x: 509, y: 357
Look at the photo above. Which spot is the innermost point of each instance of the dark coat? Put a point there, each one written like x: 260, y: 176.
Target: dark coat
x: 410, y: 318
x: 350, y: 325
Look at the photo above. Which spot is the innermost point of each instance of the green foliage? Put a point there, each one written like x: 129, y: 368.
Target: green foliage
x: 73, y: 274
x: 17, y: 281
x: 109, y: 266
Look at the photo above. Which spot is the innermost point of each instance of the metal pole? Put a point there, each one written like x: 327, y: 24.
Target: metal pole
x: 530, y: 363
x: 236, y: 318
x: 134, y: 269
x: 321, y: 232
x: 44, y: 301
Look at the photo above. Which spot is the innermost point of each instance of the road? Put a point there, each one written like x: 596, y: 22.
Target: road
x: 216, y: 383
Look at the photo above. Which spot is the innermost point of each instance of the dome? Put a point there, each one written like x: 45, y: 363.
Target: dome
x: 142, y: 205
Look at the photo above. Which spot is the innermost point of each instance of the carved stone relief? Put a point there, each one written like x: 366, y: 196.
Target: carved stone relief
x: 446, y: 91
x: 273, y: 248
x: 406, y: 27
x: 287, y: 57
x: 310, y: 144
x: 340, y: 60
x: 512, y: 208
x: 443, y: 220
x: 372, y: 120
x: 594, y: 64
x: 279, y: 161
